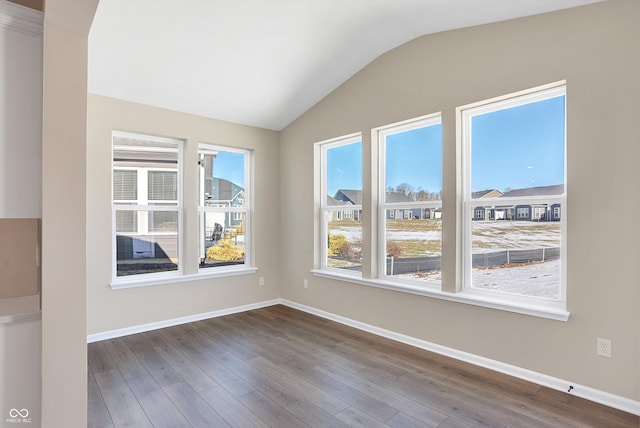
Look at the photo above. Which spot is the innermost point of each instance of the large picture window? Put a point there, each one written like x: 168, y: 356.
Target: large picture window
x: 411, y: 200
x: 513, y: 169
x: 341, y: 204
x: 224, y: 206
x: 146, y: 204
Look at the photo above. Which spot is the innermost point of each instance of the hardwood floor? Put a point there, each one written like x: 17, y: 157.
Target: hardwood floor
x: 279, y: 367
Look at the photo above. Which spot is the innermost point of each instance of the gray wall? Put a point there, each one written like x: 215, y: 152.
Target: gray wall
x: 593, y: 48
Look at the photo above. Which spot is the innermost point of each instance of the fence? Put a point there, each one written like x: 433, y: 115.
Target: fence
x: 401, y: 266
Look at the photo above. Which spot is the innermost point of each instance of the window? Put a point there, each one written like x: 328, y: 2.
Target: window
x: 514, y: 147
x: 341, y: 204
x: 522, y: 213
x: 509, y: 225
x: 410, y: 189
x: 224, y: 206
x: 146, y: 204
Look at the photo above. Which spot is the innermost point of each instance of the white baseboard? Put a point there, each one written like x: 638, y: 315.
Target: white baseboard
x: 605, y: 398
x: 96, y: 337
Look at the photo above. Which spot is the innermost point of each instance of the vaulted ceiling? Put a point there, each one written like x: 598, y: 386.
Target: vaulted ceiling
x: 263, y: 62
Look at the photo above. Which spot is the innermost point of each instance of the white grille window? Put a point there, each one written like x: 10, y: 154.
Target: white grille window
x: 340, y: 184
x: 163, y: 185
x: 146, y: 204
x: 513, y: 156
x: 224, y: 211
x: 125, y: 185
x: 410, y: 247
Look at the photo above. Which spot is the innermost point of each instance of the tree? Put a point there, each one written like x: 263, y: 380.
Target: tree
x: 405, y: 188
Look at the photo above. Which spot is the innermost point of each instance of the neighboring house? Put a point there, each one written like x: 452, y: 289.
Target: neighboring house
x: 538, y: 211
x: 224, y: 193
x: 485, y: 213
x: 346, y: 197
x: 489, y: 193
x: 143, y: 177
x: 354, y: 197
x: 554, y: 190
x: 343, y: 214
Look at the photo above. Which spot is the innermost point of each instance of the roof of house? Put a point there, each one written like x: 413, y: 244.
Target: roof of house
x: 397, y: 197
x: 225, y: 190
x: 557, y: 189
x: 488, y: 193
x: 331, y: 201
x: 355, y: 196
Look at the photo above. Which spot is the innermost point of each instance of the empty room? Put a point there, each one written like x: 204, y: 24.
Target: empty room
x: 279, y: 213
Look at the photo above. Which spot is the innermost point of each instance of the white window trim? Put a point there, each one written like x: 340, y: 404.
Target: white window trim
x: 322, y: 209
x: 156, y: 276
x: 466, y: 204
x: 148, y: 280
x: 380, y: 134
x: 465, y: 297
x: 215, y: 271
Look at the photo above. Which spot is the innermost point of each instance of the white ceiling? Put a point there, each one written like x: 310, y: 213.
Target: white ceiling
x: 263, y: 62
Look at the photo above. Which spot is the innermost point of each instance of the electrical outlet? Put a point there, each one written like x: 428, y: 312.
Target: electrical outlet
x: 261, y: 280
x: 603, y: 347
x: 306, y: 283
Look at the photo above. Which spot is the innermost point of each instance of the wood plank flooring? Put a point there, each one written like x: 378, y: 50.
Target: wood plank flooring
x: 279, y: 367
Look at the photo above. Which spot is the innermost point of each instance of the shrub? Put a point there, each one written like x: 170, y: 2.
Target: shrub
x: 336, y: 242
x: 393, y: 249
x: 225, y: 251
x: 351, y: 251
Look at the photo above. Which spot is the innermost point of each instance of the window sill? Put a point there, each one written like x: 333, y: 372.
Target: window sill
x: 541, y: 311
x: 122, y: 283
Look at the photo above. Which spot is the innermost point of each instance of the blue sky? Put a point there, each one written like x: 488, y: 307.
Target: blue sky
x: 519, y: 147
x: 230, y: 166
x: 344, y: 168
x: 415, y: 157
x: 512, y: 148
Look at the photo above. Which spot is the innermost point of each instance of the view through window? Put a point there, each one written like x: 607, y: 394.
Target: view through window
x: 146, y: 204
x: 515, y: 194
x: 411, y: 195
x: 223, y: 208
x: 342, y: 204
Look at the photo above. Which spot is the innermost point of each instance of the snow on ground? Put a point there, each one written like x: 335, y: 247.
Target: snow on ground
x: 501, y: 235
x: 406, y: 235
x: 533, y: 280
x: 351, y: 233
x: 488, y: 236
x: 536, y: 279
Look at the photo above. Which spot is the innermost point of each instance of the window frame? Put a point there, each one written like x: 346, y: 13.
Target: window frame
x: 451, y: 288
x: 321, y: 148
x: 404, y: 208
x: 467, y: 205
x: 232, y: 211
x: 139, y: 208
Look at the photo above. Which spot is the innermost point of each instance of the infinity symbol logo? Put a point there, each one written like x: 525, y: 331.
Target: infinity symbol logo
x: 14, y: 413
